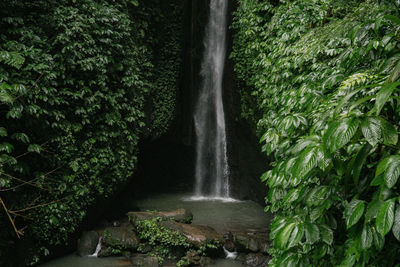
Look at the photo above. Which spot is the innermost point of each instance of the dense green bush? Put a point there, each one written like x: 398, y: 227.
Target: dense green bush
x: 75, y: 77
x: 325, y: 77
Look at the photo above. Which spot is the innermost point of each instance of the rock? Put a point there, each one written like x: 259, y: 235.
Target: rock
x: 121, y: 237
x: 205, y: 261
x: 254, y: 242
x: 87, y: 243
x: 196, y: 235
x: 179, y: 215
x: 144, y: 261
x: 105, y: 252
x: 229, y: 245
x: 256, y: 260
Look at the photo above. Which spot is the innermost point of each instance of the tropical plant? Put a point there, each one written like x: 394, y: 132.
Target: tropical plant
x: 325, y: 75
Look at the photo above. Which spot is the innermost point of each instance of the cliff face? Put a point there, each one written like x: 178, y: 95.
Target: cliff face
x: 168, y: 162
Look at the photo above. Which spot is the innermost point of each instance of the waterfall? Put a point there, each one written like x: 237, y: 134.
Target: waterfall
x: 98, y: 248
x: 212, y: 172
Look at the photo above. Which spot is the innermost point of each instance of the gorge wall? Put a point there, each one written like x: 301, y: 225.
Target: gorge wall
x: 167, y: 163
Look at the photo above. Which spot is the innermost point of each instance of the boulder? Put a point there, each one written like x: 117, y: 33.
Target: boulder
x: 179, y: 215
x: 256, y: 260
x: 120, y: 237
x: 87, y: 243
x: 144, y: 260
x: 196, y: 235
x: 194, y: 259
x: 254, y: 242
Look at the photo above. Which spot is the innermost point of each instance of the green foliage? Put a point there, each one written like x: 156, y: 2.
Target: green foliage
x: 165, y: 243
x: 325, y: 79
x: 75, y: 80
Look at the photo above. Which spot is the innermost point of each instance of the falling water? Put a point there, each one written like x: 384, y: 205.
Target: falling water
x: 212, y: 172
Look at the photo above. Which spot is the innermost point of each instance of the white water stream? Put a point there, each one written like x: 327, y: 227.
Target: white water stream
x: 212, y: 172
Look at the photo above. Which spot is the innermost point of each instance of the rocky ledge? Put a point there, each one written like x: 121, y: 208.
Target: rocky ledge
x: 168, y: 238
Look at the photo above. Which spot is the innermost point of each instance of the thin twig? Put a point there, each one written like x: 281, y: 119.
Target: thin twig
x: 9, y: 217
x: 37, y: 206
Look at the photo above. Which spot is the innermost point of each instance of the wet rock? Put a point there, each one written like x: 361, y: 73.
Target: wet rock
x: 179, y: 215
x: 256, y: 260
x: 205, y: 261
x: 120, y: 237
x: 144, y: 261
x: 254, y: 242
x: 87, y: 243
x: 229, y: 245
x: 106, y: 252
x: 196, y: 235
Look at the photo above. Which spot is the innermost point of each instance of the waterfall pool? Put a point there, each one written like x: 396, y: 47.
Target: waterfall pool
x: 223, y: 216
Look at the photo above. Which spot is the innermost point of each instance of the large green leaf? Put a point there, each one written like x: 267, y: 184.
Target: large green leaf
x: 326, y: 234
x: 339, y: 133
x: 385, y: 217
x: 312, y: 232
x: 396, y: 223
x: 305, y: 162
x: 379, y: 241
x: 371, y: 129
x: 390, y: 135
x: 390, y: 168
x: 353, y: 212
x: 282, y: 238
x: 366, y: 237
x: 296, y: 235
x: 358, y: 163
x: 372, y: 209
x: 383, y: 95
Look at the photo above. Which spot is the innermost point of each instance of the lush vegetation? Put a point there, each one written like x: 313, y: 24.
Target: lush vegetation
x: 80, y: 83
x: 321, y: 80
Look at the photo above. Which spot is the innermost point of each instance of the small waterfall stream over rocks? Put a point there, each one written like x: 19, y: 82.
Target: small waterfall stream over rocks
x: 212, y: 171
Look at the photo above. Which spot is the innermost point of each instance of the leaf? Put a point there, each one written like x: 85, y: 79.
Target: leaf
x: 317, y: 196
x: 312, y: 232
x: 393, y: 19
x: 390, y: 168
x: 7, y: 147
x: 379, y: 241
x: 371, y: 129
x: 3, y: 132
x: 296, y: 236
x: 385, y: 217
x: 359, y: 163
x: 326, y: 234
x: 305, y: 163
x: 390, y: 135
x: 378, y: 180
x: 134, y: 2
x: 282, y: 238
x: 366, y: 237
x: 339, y: 133
x: 34, y: 148
x: 21, y: 137
x: 383, y: 96
x: 372, y: 209
x: 396, y: 224
x: 353, y: 212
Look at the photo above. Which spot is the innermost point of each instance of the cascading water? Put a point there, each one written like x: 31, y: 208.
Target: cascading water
x: 212, y: 172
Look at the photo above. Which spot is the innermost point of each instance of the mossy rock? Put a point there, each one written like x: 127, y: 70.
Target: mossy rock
x: 122, y: 237
x: 196, y: 235
x: 179, y: 215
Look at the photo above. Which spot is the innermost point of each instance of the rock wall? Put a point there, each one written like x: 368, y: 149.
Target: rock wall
x: 168, y: 163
